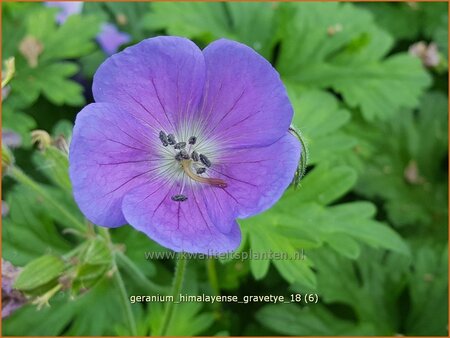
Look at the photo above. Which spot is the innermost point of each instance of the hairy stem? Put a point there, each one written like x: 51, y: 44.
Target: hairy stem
x: 212, y: 276
x: 139, y: 277
x: 125, y: 302
x: 126, y: 305
x: 176, y: 289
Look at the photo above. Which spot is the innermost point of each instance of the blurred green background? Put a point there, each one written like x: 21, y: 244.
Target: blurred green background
x: 368, y: 83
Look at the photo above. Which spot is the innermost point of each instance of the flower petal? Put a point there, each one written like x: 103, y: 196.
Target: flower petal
x: 245, y: 103
x: 110, y: 153
x: 110, y: 38
x: 160, y: 78
x: 181, y: 226
x: 257, y: 177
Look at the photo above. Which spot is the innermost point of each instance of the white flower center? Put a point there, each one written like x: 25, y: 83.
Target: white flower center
x: 187, y: 157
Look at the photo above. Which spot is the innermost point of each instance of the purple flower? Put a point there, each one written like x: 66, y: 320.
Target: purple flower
x: 11, y: 138
x: 67, y: 8
x: 181, y: 142
x: 5, y: 209
x: 110, y: 39
x: 428, y: 54
x: 11, y: 299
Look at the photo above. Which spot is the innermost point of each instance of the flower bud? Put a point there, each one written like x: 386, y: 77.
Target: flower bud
x: 7, y: 157
x: 41, y: 138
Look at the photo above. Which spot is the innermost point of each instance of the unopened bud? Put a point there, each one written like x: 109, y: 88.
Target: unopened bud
x: 41, y: 138
x: 61, y: 144
x: 31, y: 48
x: 8, y: 72
x: 7, y: 156
x: 428, y: 54
x: 121, y: 19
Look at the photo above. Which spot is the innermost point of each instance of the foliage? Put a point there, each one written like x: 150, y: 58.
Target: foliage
x: 366, y: 230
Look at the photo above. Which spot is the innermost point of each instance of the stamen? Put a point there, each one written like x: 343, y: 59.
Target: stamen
x: 192, y: 140
x: 180, y: 145
x: 194, y: 156
x: 182, y: 155
x: 163, y: 138
x: 179, y: 198
x: 171, y: 139
x: 216, y: 182
x: 200, y: 170
x: 205, y: 160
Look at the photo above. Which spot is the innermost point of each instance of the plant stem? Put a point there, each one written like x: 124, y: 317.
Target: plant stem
x: 212, y: 276
x: 126, y: 305
x: 214, y: 283
x: 23, y: 178
x: 139, y: 277
x: 176, y: 289
x: 125, y: 302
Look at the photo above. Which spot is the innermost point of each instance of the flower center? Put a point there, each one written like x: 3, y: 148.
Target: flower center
x: 188, y: 159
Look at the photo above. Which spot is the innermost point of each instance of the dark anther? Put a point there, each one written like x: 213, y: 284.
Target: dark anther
x: 179, y: 198
x: 201, y: 170
x: 163, y: 138
x: 192, y: 140
x: 171, y: 139
x: 205, y: 160
x: 184, y: 154
x: 195, y: 156
x: 180, y: 145
x: 178, y: 157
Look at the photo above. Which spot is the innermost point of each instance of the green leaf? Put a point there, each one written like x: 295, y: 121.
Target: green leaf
x: 429, y: 293
x: 198, y: 18
x: 91, y: 62
x: 55, y: 165
x: 350, y: 60
x: 39, y: 272
x: 28, y: 222
x: 63, y: 44
x: 401, y: 20
x: 249, y: 23
x: 18, y: 122
x: 14, y: 26
x: 188, y: 317
x: 93, y: 261
x: 259, y: 267
x: 326, y: 184
x: 51, y: 75
x: 57, y: 88
x: 320, y: 119
x: 265, y: 239
x: 344, y: 245
x: 313, y: 320
x: 96, y: 312
x: 51, y: 80
x: 302, y: 220
x: 135, y: 245
x: 63, y: 128
x: 41, y: 23
x: 406, y: 168
x: 375, y: 234
x: 370, y: 286
x: 435, y: 24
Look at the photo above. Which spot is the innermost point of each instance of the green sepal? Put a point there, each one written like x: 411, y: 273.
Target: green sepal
x: 303, y: 162
x: 94, y: 261
x: 40, y: 274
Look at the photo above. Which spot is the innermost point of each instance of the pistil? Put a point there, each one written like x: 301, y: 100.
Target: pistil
x: 216, y: 182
